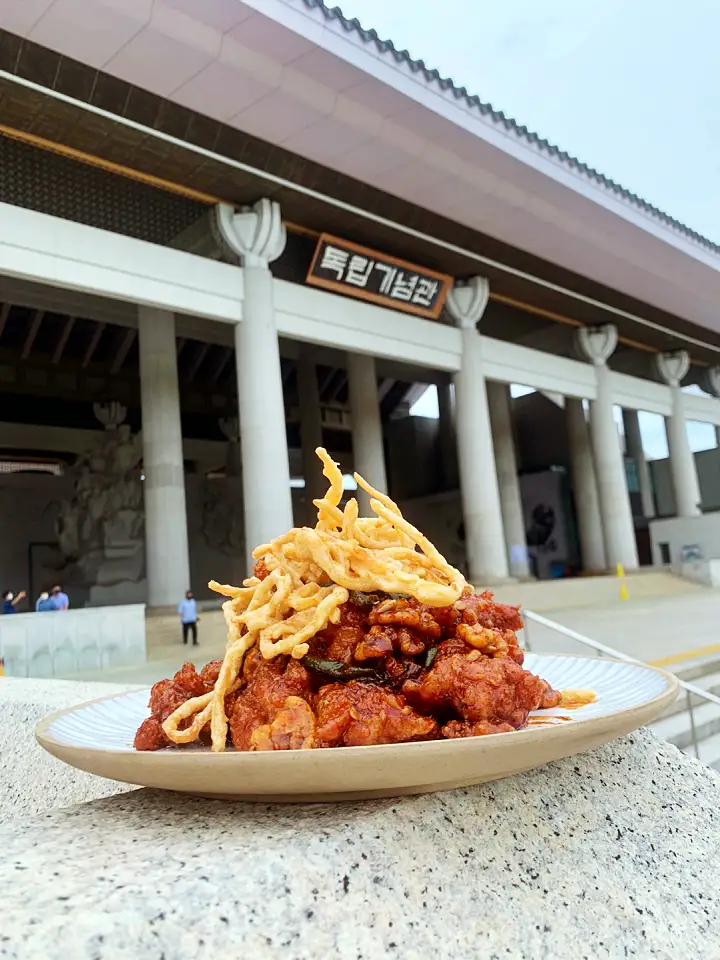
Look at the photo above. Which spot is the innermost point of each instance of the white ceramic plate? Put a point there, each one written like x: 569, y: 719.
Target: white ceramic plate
x: 98, y: 736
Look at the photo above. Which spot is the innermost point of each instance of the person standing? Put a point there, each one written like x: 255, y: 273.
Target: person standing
x: 60, y: 600
x: 44, y: 603
x: 11, y: 600
x: 188, y: 617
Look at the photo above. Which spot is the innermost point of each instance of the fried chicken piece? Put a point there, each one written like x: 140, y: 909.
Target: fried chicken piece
x: 381, y: 641
x: 150, y: 735
x: 360, y: 714
x: 210, y: 672
x: 482, y: 689
x: 167, y: 695
x: 270, y: 684
x: 549, y: 697
x: 405, y: 612
x: 459, y: 729
x: 483, y: 609
x: 292, y: 729
x: 489, y: 626
x: 339, y: 640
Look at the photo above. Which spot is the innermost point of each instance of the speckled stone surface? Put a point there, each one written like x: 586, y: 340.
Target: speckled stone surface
x: 610, y: 854
x: 31, y: 781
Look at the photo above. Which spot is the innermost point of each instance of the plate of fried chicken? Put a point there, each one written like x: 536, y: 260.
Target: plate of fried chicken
x: 394, y: 698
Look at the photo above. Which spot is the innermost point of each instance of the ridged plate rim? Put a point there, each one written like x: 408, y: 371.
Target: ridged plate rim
x: 198, y: 770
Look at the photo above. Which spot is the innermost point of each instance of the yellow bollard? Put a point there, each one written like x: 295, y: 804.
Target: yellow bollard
x: 2, y: 667
x: 620, y: 570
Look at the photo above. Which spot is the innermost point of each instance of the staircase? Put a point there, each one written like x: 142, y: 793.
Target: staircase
x: 675, y: 726
x: 596, y: 591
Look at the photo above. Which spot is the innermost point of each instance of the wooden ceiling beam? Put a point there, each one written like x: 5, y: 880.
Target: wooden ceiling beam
x: 197, y: 361
x: 122, y: 353
x: 219, y: 369
x: 62, y: 342
x: 32, y: 333
x: 92, y: 346
x: 4, y: 313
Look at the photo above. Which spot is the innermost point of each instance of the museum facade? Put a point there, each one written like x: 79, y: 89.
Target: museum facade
x: 233, y: 232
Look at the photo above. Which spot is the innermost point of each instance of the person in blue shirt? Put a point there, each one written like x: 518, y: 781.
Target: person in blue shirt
x: 44, y: 603
x: 188, y: 617
x: 11, y: 600
x: 59, y: 598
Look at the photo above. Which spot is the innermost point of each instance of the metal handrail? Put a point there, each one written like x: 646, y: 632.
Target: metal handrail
x: 689, y: 688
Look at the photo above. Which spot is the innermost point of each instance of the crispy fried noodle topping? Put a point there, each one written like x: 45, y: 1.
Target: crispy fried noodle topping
x: 309, y: 575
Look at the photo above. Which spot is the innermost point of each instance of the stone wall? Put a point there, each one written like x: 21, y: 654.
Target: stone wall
x: 56, y: 644
x: 708, y: 468
x: 687, y: 538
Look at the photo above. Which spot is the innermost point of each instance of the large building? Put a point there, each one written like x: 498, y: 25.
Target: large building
x: 232, y: 231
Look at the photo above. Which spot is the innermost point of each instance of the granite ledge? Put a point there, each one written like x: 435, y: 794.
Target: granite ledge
x: 31, y: 781
x: 609, y: 854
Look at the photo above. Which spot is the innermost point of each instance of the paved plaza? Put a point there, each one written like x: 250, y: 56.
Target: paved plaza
x: 667, y: 631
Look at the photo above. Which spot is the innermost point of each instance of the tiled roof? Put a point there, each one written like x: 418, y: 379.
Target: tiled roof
x: 388, y: 48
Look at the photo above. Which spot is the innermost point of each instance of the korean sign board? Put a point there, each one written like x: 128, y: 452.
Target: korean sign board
x: 358, y: 272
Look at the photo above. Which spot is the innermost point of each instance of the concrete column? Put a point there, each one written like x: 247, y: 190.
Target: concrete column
x: 598, y: 344
x: 233, y: 479
x: 484, y: 535
x: 633, y: 440
x: 166, y: 537
x: 447, y: 440
x: 311, y: 432
x: 367, y: 435
x: 258, y: 237
x: 673, y: 368
x: 712, y: 385
x: 587, y: 503
x: 508, y: 482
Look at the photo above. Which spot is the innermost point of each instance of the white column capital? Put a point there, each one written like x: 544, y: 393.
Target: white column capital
x: 673, y: 366
x: 110, y: 414
x: 466, y: 302
x: 712, y: 379
x: 256, y: 234
x: 598, y: 343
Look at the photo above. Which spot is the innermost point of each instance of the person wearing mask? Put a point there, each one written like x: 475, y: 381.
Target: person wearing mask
x: 188, y: 617
x: 44, y: 603
x: 11, y: 600
x: 60, y: 599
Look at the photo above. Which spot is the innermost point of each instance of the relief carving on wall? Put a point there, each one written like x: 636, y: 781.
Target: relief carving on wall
x: 101, y: 528
x: 223, y: 527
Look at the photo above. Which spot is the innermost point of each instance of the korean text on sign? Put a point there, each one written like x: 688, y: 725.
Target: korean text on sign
x: 375, y: 277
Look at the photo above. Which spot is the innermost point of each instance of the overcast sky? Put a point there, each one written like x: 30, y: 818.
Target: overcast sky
x: 631, y: 87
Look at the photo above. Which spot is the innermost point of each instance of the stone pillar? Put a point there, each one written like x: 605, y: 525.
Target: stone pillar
x: 484, y: 535
x: 673, y: 368
x: 447, y: 442
x: 257, y: 236
x: 508, y: 482
x: 234, y: 485
x: 367, y: 435
x: 633, y: 441
x: 311, y: 432
x: 587, y: 503
x: 712, y: 385
x: 167, y: 556
x: 598, y: 344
